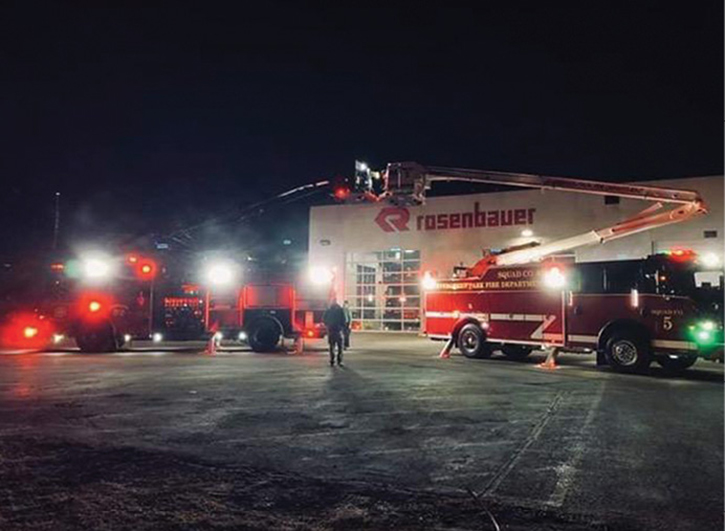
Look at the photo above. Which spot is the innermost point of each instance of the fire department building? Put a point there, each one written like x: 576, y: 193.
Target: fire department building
x: 379, y: 251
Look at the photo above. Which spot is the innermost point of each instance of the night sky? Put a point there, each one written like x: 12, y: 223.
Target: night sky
x: 147, y: 120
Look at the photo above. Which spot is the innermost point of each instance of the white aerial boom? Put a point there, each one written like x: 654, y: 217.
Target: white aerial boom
x: 407, y: 182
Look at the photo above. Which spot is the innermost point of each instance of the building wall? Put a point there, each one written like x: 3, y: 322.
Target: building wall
x: 340, y: 229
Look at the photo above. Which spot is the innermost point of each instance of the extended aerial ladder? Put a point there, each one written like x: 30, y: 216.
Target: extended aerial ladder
x: 405, y: 183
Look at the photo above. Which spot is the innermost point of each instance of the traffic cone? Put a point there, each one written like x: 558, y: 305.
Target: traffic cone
x: 211, y: 345
x: 550, y: 361
x: 446, y: 352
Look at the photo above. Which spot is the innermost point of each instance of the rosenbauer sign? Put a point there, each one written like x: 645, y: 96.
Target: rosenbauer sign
x: 399, y: 219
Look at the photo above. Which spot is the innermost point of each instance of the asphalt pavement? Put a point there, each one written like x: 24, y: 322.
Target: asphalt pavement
x: 167, y: 437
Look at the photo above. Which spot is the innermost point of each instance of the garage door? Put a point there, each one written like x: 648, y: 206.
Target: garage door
x: 383, y: 289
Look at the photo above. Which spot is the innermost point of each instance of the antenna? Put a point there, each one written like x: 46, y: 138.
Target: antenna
x: 56, y: 223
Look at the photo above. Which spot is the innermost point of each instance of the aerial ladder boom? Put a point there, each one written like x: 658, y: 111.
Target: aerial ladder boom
x: 407, y: 182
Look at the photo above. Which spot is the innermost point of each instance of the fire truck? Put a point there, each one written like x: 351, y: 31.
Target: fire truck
x: 630, y: 312
x: 105, y: 302
x: 99, y: 300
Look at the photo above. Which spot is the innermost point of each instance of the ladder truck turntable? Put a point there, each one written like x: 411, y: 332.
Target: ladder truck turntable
x: 630, y: 312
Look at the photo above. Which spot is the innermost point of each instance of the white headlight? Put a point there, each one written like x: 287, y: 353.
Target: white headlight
x: 157, y: 337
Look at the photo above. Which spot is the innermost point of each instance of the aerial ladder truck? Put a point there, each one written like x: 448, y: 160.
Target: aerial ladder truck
x: 630, y: 312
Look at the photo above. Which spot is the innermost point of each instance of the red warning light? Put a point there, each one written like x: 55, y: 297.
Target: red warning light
x: 25, y: 330
x: 132, y: 258
x: 59, y: 266
x: 682, y: 255
x: 342, y: 193
x: 94, y: 305
x: 146, y: 269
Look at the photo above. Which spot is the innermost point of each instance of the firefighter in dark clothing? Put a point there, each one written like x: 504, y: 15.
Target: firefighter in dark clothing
x: 334, y: 319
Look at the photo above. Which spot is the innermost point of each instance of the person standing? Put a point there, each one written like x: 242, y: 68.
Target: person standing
x: 334, y: 319
x: 348, y: 322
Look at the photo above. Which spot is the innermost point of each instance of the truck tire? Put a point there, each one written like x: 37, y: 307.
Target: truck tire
x: 472, y: 342
x: 628, y: 352
x: 96, y: 338
x: 516, y: 352
x: 676, y: 365
x: 263, y: 335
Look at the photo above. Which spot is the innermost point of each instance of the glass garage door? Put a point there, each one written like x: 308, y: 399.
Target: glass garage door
x: 383, y: 289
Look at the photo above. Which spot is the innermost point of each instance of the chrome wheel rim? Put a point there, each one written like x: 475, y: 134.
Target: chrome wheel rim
x: 470, y: 341
x: 625, y: 353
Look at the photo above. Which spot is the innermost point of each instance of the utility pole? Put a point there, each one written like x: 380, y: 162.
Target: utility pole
x: 56, y: 224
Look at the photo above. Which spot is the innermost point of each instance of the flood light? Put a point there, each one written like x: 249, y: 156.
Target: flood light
x: 554, y: 278
x: 428, y: 281
x: 320, y: 275
x: 96, y: 268
x: 220, y: 273
x: 710, y: 260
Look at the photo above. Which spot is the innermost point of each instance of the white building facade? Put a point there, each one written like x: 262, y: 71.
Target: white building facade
x: 379, y: 251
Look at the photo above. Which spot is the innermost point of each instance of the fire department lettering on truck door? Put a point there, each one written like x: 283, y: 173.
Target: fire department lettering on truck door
x: 496, y: 301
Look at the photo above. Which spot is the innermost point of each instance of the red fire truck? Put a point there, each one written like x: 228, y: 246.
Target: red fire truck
x: 631, y: 312
x: 100, y: 300
x: 104, y: 302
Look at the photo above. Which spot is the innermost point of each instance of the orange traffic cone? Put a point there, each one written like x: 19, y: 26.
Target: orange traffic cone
x: 211, y: 345
x: 446, y: 352
x: 550, y: 361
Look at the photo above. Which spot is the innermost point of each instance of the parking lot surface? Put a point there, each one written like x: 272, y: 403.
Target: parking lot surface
x: 170, y: 438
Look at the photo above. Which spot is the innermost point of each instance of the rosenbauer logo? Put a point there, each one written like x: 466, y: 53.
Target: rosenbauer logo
x: 393, y: 219
x: 397, y: 219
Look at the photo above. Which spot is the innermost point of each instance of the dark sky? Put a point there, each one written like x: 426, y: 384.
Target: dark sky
x: 148, y: 119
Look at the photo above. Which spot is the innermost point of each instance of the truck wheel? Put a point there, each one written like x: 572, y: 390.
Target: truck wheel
x: 627, y: 352
x: 263, y: 335
x: 516, y: 352
x: 97, y: 338
x: 678, y: 364
x: 472, y: 342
